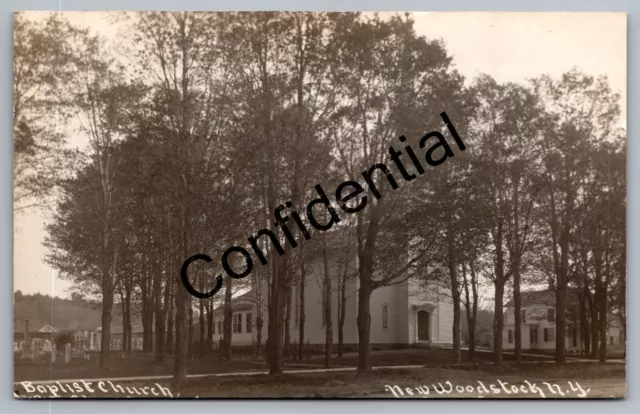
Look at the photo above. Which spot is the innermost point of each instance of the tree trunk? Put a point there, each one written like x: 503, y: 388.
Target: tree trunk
x: 328, y: 332
x: 561, y: 328
x: 277, y: 303
x: 498, y: 321
x: 227, y: 322
x: 517, y: 304
x: 302, y: 316
x: 209, y: 341
x: 364, y: 327
x: 108, y: 273
x: 602, y: 325
x: 287, y: 322
x: 144, y: 312
x: 258, y: 284
x: 471, y: 322
x: 161, y: 333
x: 170, y: 346
x: 123, y: 306
x: 455, y: 290
x: 584, y: 325
x: 342, y: 311
x: 159, y: 327
x: 190, y: 331
x: 201, y: 326
x: 595, y: 332
x: 180, y: 358
x: 107, y: 307
x: 129, y: 327
x: 471, y: 307
x: 151, y: 311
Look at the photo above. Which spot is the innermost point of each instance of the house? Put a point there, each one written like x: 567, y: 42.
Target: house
x: 403, y: 314
x: 538, y: 323
x: 117, y: 333
x: 615, y: 333
x: 40, y: 340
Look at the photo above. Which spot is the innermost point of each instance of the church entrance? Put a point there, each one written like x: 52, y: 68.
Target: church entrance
x: 423, y: 326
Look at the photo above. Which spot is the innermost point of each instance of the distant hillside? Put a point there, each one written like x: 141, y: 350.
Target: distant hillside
x: 62, y: 314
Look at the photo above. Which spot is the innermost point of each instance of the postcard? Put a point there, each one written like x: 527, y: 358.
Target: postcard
x: 394, y: 205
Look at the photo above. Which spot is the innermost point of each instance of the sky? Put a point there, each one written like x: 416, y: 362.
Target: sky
x: 510, y: 47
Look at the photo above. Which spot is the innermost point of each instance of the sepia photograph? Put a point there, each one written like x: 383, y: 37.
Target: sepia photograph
x: 319, y: 205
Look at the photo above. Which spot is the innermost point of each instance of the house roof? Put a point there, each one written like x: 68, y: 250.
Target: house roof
x: 543, y: 297
x: 242, y: 296
x: 47, y: 329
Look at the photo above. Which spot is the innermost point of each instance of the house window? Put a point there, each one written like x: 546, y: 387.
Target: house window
x: 549, y: 334
x: 523, y: 316
x: 510, y: 336
x: 533, y: 335
x: 611, y: 341
x: 237, y: 323
x: 219, y: 327
x: 248, y: 330
x: 213, y: 328
x: 385, y: 316
x: 551, y: 315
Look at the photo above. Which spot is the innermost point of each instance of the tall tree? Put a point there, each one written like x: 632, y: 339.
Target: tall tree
x: 43, y: 77
x: 507, y: 123
x: 391, y: 80
x: 180, y: 51
x: 582, y: 111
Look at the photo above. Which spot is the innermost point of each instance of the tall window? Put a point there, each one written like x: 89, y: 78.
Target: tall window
x: 549, y: 334
x: 523, y: 316
x: 248, y: 330
x: 219, y: 327
x: 237, y: 323
x: 385, y: 316
x: 510, y: 336
x: 533, y: 335
x: 551, y: 315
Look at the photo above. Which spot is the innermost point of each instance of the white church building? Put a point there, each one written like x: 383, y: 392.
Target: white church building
x: 403, y: 314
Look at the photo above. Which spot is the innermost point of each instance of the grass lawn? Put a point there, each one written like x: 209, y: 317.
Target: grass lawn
x: 420, y: 356
x: 145, y: 365
x: 575, y: 370
x: 132, y: 366
x: 551, y: 353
